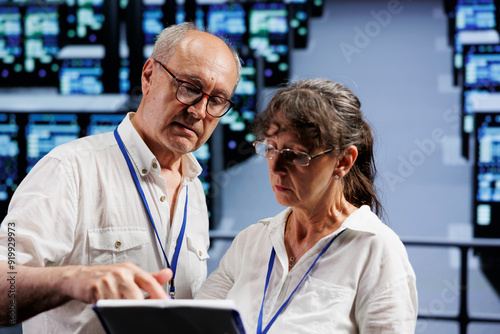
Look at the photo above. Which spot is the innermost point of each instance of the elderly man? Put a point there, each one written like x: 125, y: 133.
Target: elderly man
x: 103, y: 216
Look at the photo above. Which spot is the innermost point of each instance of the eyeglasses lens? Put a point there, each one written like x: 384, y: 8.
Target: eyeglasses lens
x: 190, y: 94
x: 292, y: 157
x: 295, y: 158
x: 264, y: 150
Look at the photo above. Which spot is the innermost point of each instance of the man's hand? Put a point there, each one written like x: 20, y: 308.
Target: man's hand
x: 115, y: 281
x: 38, y: 289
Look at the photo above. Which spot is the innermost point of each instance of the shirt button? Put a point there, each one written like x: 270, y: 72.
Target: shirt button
x: 155, y: 165
x: 144, y: 171
x: 268, y: 310
x: 200, y: 253
x: 118, y: 244
x: 163, y: 198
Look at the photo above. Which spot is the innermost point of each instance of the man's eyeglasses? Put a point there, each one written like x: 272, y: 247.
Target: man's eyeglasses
x: 189, y: 94
x: 295, y: 158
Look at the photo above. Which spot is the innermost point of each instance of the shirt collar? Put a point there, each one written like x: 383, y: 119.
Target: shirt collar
x: 362, y: 220
x: 142, y: 157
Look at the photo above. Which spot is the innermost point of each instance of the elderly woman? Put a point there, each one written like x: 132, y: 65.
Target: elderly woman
x: 326, y: 264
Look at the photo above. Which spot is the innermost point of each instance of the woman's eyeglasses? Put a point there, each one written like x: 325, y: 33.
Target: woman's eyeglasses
x: 292, y: 157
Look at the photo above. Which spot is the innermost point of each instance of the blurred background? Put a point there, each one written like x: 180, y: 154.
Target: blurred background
x: 427, y: 74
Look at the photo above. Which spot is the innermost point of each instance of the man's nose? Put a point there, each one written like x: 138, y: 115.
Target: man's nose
x: 199, y: 108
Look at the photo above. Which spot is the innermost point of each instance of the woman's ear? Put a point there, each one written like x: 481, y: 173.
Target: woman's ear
x: 346, y: 161
x: 147, y: 76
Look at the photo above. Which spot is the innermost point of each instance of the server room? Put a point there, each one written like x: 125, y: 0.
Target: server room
x: 427, y: 73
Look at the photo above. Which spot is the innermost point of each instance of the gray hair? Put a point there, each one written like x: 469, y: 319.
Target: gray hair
x: 169, y: 38
x: 325, y: 114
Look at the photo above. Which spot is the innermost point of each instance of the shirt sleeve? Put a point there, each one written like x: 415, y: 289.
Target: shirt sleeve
x: 220, y: 282
x: 393, y: 309
x: 42, y: 215
x: 387, y: 296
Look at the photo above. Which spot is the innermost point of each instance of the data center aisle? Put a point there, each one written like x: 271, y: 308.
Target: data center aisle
x: 395, y: 56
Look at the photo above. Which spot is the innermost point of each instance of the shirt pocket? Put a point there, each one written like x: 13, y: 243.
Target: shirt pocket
x: 117, y: 244
x: 321, y: 305
x: 198, y: 254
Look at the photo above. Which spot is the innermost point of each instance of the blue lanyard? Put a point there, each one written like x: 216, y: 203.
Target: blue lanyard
x: 269, y: 271
x: 141, y: 192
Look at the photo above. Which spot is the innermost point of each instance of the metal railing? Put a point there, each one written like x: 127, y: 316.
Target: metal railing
x: 463, y: 317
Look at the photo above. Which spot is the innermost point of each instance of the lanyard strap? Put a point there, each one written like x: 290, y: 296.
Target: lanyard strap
x: 268, y: 277
x: 141, y: 192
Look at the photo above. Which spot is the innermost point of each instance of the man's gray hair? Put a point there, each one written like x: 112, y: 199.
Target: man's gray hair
x: 168, y: 40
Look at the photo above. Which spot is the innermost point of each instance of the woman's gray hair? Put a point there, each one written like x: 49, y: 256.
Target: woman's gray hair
x: 168, y: 40
x: 325, y: 114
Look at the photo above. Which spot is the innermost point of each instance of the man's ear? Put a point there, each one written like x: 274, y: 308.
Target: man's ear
x: 147, y: 76
x: 346, y: 161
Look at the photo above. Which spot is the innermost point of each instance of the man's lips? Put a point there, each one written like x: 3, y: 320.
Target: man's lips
x: 190, y: 128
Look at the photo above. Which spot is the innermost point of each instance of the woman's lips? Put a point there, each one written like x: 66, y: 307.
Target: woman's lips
x: 280, y: 188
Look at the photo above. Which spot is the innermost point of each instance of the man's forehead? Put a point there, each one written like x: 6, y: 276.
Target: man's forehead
x: 202, y: 66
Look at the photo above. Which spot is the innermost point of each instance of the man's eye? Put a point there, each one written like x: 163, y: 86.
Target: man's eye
x: 217, y: 101
x: 190, y: 89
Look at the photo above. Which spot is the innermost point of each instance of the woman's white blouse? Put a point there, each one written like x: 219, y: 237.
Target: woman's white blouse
x: 363, y: 283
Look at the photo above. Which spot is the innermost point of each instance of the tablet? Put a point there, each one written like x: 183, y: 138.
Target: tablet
x: 175, y: 316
